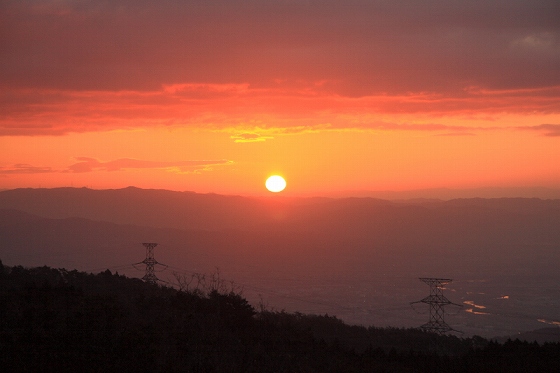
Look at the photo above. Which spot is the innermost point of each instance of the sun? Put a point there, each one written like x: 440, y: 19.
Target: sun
x: 275, y: 183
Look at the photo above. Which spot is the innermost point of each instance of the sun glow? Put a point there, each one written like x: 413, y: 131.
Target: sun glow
x: 275, y: 183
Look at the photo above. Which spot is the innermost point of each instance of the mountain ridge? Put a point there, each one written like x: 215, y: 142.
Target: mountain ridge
x: 189, y: 210
x: 346, y: 252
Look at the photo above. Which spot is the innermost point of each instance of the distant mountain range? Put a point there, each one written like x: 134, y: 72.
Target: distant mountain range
x: 447, y: 194
x: 305, y: 247
x: 188, y: 210
x: 303, y: 227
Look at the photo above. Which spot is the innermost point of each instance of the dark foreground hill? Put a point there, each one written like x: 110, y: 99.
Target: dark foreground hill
x: 54, y: 320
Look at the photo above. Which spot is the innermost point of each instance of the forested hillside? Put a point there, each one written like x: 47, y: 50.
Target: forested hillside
x: 60, y: 320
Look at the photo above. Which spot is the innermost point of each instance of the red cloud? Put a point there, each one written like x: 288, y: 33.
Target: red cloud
x: 77, y: 66
x: 243, y: 109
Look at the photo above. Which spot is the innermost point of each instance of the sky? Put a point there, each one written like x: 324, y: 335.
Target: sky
x: 336, y: 96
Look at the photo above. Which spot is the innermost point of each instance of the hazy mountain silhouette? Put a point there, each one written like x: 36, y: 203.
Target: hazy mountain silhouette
x: 447, y: 194
x: 359, y: 224
x: 186, y: 210
x: 356, y: 246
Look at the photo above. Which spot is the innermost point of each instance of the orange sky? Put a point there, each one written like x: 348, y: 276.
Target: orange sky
x: 335, y: 96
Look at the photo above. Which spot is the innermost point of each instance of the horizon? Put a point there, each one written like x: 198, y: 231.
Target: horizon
x: 335, y: 97
x: 443, y: 194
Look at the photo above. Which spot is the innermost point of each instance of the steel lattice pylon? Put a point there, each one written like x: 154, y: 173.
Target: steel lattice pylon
x: 437, y: 301
x: 150, y: 262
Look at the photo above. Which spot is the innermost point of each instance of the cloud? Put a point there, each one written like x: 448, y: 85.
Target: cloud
x: 250, y: 137
x: 544, y: 42
x: 430, y: 127
x: 86, y: 164
x: 549, y: 130
x: 20, y: 169
x: 242, y: 109
x: 91, y: 164
x: 366, y: 46
x: 77, y: 66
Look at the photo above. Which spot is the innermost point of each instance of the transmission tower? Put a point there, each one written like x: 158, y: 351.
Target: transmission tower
x: 437, y: 301
x: 150, y: 262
